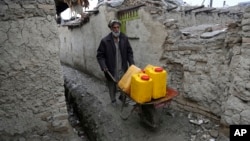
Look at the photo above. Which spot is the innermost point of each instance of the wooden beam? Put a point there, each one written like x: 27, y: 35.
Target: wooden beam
x: 206, y: 10
x: 170, y: 9
x: 195, y: 8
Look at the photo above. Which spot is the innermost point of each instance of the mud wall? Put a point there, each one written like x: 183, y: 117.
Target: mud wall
x: 32, y: 105
x: 210, y: 73
x: 78, y: 45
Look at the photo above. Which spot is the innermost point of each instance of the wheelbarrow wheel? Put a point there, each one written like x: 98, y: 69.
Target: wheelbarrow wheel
x: 149, y: 116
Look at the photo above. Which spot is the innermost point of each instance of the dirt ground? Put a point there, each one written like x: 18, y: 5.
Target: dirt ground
x: 102, y: 121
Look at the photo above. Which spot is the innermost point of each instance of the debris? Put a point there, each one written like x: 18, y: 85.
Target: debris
x: 197, y: 122
x: 193, y: 138
x: 205, y: 137
x: 214, y: 133
x: 207, y: 35
x: 190, y: 115
x: 186, y: 33
x: 209, y: 29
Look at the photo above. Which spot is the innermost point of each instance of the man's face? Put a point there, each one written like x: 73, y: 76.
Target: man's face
x: 116, y: 28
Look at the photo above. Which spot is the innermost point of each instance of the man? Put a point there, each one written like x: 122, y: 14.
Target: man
x: 114, y: 56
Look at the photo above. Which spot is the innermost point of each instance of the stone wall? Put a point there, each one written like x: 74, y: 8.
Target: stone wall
x: 205, y: 55
x: 210, y: 72
x: 33, y: 105
x: 236, y: 106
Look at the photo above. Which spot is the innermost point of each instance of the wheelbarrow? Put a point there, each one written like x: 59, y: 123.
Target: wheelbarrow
x: 147, y: 111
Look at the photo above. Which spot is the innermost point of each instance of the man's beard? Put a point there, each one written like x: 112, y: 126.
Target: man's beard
x: 116, y: 34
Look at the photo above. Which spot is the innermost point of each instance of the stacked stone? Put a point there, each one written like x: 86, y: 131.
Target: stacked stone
x: 246, y: 26
x: 236, y: 107
x: 244, y: 93
x: 10, y: 10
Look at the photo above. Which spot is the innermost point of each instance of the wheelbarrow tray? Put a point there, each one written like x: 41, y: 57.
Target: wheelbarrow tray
x: 156, y: 103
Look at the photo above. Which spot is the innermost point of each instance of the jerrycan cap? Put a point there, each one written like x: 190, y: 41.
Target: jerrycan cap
x: 144, y: 77
x: 158, y: 69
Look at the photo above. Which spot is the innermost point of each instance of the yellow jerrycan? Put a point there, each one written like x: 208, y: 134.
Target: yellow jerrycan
x: 141, y: 88
x: 125, y: 81
x: 159, y: 77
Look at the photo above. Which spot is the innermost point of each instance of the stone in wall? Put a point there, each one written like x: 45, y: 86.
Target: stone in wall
x: 32, y: 101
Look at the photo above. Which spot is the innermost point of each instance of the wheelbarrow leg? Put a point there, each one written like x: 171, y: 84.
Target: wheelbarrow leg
x: 123, y: 98
x: 130, y: 113
x: 149, y: 116
x: 124, y: 104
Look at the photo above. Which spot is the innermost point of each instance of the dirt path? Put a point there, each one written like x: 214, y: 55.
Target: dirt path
x: 174, y: 125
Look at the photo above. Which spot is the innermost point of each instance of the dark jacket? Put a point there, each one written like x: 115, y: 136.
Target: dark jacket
x: 106, y: 53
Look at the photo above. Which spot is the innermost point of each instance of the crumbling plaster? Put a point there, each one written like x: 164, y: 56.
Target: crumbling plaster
x: 32, y: 105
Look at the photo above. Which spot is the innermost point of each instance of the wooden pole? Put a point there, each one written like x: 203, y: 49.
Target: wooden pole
x: 211, y: 3
x: 203, y: 2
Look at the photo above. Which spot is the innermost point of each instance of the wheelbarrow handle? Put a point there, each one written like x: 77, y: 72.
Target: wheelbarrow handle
x: 111, y: 76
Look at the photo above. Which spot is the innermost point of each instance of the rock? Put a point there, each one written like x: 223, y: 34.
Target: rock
x: 209, y: 29
x: 197, y: 122
x: 61, y: 126
x: 232, y: 25
x: 214, y: 133
x: 207, y: 35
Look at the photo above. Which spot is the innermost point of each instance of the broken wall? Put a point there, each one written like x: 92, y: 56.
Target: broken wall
x: 206, y: 63
x: 203, y: 66
x: 32, y: 105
